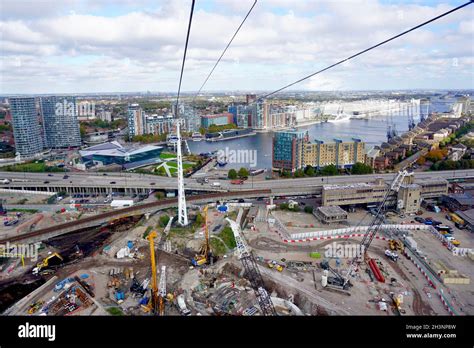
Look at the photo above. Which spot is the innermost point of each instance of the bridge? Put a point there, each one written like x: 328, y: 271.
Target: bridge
x: 130, y: 183
x: 139, y: 209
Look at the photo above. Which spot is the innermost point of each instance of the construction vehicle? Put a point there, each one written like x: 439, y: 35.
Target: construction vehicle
x: 153, y: 302
x: 376, y: 223
x: 336, y: 280
x: 252, y: 272
x: 396, y: 245
x: 52, y: 261
x: 391, y: 255
x: 204, y: 256
x: 35, y: 306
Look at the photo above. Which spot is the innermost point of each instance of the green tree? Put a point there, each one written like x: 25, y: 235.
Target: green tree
x: 361, y: 168
x: 308, y: 209
x: 329, y: 170
x: 232, y: 174
x: 299, y: 173
x: 309, y: 171
x: 164, y: 219
x: 284, y: 206
x: 243, y: 173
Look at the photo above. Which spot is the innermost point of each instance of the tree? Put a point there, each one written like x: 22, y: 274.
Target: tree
x: 159, y: 195
x: 232, y: 174
x: 421, y: 161
x: 164, y: 219
x: 329, y: 170
x: 309, y: 171
x: 243, y: 173
x: 361, y: 168
x: 284, y: 206
x: 299, y: 173
x: 308, y: 209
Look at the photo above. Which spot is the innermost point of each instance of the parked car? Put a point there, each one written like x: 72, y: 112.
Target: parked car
x: 112, y: 182
x: 419, y: 219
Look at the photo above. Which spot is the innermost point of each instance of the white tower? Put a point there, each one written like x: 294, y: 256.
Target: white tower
x: 182, y: 211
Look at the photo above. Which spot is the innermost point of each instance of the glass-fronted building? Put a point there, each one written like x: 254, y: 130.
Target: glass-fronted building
x: 288, y: 150
x: 26, y: 127
x: 60, y: 123
x: 115, y: 153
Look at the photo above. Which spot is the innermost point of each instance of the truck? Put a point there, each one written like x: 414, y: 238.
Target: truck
x: 216, y: 184
x: 237, y: 182
x: 411, y: 242
x: 5, y: 181
x: 121, y: 203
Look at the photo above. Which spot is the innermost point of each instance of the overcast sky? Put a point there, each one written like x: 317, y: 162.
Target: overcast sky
x: 74, y: 46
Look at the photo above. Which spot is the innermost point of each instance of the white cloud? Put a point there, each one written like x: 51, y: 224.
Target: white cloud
x: 140, y: 47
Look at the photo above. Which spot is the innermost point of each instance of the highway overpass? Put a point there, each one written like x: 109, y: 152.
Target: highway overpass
x: 139, y: 183
x: 139, y: 209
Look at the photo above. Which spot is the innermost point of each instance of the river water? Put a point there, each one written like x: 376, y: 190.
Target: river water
x: 371, y: 131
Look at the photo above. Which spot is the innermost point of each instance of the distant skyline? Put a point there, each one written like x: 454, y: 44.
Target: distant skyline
x: 82, y: 46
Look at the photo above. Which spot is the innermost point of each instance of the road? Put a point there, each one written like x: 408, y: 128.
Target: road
x: 132, y: 181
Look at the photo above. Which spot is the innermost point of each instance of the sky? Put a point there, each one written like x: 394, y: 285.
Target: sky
x: 85, y: 46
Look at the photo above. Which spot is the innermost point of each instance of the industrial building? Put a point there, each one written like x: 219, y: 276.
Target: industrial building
x: 468, y: 217
x: 408, y: 198
x: 114, y: 153
x: 330, y: 214
x: 341, y: 153
x: 458, y: 201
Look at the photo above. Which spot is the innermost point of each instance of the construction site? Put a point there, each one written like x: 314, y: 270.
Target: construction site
x: 244, y: 258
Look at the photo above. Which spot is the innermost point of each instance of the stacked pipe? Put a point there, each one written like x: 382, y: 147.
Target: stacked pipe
x: 375, y: 269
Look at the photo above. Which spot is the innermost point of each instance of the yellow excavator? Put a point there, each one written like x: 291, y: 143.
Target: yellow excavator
x: 396, y: 245
x: 204, y: 255
x: 52, y: 260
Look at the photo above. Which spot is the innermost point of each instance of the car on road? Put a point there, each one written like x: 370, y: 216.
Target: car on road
x: 152, y: 183
x: 65, y: 176
x: 50, y: 175
x: 112, y: 182
x: 46, y: 182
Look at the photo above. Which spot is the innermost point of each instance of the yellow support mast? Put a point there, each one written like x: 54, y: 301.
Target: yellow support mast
x: 153, y: 304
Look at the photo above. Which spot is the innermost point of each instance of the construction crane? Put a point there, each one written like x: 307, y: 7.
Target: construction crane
x: 204, y: 256
x: 162, y: 291
x: 153, y: 303
x: 377, y: 221
x: 252, y: 272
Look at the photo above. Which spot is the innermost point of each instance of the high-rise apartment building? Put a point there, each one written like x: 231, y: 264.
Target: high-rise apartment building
x: 136, y: 120
x: 288, y: 150
x: 60, y: 123
x: 26, y: 128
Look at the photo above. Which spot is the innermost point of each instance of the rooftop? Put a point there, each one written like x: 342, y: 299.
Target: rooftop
x: 332, y: 210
